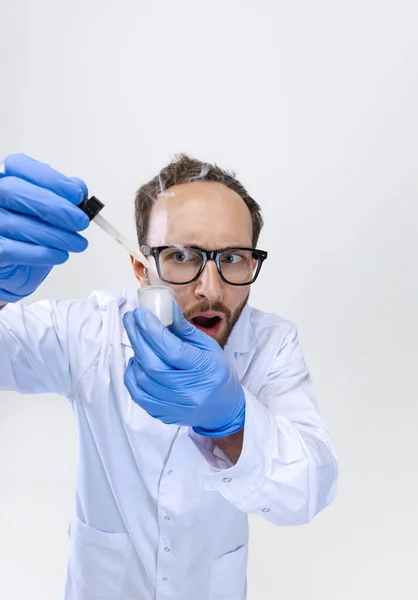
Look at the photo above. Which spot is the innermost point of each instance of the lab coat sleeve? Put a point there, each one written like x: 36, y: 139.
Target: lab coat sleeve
x: 287, y: 471
x: 40, y: 345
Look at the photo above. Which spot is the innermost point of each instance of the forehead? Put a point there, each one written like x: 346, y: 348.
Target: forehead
x: 202, y: 213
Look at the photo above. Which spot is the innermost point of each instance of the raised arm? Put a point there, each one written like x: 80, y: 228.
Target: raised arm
x: 39, y: 221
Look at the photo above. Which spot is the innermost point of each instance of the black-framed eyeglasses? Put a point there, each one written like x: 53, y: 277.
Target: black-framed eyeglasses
x: 180, y: 265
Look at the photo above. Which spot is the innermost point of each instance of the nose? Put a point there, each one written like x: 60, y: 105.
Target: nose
x: 209, y: 285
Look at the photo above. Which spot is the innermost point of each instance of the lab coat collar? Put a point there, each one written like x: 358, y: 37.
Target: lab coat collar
x: 242, y: 339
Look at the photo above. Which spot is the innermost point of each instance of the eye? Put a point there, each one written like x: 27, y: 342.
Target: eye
x: 231, y: 258
x: 182, y: 256
x: 179, y: 256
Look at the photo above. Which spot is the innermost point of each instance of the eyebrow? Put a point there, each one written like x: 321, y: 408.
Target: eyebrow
x: 197, y: 245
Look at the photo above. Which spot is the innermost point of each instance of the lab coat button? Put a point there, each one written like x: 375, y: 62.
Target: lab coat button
x: 266, y: 510
x: 227, y: 479
x: 165, y: 579
x: 167, y: 549
x: 167, y: 518
x: 169, y: 472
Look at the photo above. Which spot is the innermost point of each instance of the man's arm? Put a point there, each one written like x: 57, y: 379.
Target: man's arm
x: 232, y: 445
x: 2, y: 304
x: 33, y: 358
x: 286, y: 468
x: 40, y: 345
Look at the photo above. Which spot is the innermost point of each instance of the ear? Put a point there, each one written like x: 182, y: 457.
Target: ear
x: 139, y: 270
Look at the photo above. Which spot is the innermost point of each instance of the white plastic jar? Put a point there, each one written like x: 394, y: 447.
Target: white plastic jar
x: 159, y: 300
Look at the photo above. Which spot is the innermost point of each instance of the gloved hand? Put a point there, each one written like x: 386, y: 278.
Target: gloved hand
x: 180, y: 375
x: 39, y: 218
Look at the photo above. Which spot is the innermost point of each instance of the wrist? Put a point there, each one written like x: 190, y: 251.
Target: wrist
x: 232, y: 445
x: 232, y: 426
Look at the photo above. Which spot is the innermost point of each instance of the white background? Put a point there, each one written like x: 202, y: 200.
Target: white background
x: 315, y: 105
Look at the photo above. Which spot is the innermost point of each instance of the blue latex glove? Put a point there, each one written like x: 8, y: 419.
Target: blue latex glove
x: 39, y: 218
x: 180, y: 375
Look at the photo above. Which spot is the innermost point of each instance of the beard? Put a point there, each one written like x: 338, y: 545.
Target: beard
x: 230, y: 318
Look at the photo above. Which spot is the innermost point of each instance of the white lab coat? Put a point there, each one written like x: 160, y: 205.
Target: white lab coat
x: 161, y: 513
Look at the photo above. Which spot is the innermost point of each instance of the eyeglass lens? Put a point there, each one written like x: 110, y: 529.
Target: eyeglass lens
x: 181, y: 265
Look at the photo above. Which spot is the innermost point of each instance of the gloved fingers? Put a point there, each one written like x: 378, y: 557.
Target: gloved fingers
x: 23, y: 197
x: 182, y: 382
x: 13, y: 252
x: 187, y: 332
x: 81, y: 184
x: 135, y: 391
x: 153, y: 374
x: 144, y: 354
x: 41, y: 174
x: 27, y: 229
x: 171, y: 349
x: 20, y: 281
x: 23, y: 276
x: 143, y: 381
x: 154, y: 407
x: 165, y: 386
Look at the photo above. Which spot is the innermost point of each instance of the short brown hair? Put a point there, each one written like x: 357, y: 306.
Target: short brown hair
x: 184, y: 169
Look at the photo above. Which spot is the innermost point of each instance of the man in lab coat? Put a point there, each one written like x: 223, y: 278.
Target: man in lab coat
x: 184, y: 430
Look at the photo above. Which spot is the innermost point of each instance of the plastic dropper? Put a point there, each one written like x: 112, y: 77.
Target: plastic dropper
x: 92, y: 206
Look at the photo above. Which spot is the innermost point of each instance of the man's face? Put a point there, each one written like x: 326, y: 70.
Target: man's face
x: 206, y: 215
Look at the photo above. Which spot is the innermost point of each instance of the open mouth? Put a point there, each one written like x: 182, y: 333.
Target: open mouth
x: 208, y: 324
